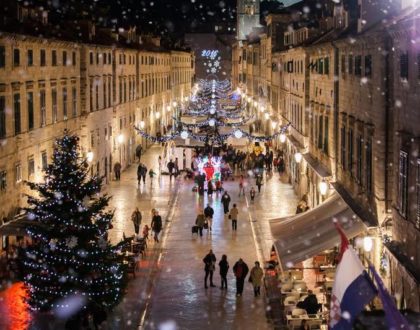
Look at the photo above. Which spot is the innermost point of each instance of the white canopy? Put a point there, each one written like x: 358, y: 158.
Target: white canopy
x: 305, y: 235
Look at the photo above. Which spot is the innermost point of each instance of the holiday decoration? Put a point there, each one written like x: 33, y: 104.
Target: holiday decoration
x: 70, y: 254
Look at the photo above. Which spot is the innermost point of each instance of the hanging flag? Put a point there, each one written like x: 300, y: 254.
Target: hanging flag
x: 352, y: 289
x: 393, y: 316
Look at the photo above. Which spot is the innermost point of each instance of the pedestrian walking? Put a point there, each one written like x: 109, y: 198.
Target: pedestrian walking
x: 117, y: 171
x: 224, y: 267
x: 176, y: 167
x: 241, y: 185
x: 170, y: 167
x: 156, y: 225
x: 225, y: 202
x: 200, y: 221
x: 136, y: 218
x: 256, y: 278
x: 209, y: 267
x: 139, y: 150
x: 160, y: 164
x: 258, y: 182
x: 210, y: 188
x: 240, y: 269
x: 143, y: 173
x: 151, y: 176
x: 139, y: 171
x: 233, y: 215
x: 208, y: 213
x: 146, y: 230
x: 252, y: 194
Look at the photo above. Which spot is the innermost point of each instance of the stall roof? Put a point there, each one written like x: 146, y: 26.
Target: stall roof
x: 15, y: 227
x: 305, y: 235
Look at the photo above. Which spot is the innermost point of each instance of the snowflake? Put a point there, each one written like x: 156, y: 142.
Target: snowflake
x: 216, y: 64
x: 71, y: 242
x: 213, y: 70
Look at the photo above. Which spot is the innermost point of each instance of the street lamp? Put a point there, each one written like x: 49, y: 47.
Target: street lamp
x: 282, y: 137
x: 120, y: 140
x: 157, y: 115
x: 298, y: 157
x: 273, y: 125
x: 367, y: 243
x: 89, y: 156
x: 267, y: 116
x: 174, y: 104
x: 142, y: 124
x: 323, y: 187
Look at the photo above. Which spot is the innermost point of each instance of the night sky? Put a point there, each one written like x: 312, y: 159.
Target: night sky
x: 168, y: 18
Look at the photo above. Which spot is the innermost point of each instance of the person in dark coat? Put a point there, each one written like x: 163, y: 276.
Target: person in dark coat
x: 117, y: 171
x: 210, y: 188
x: 240, y: 269
x: 143, y: 172
x: 156, y: 225
x: 310, y: 304
x: 208, y: 213
x: 226, y: 202
x: 224, y: 267
x: 171, y: 167
x: 136, y: 218
x: 139, y: 149
x: 209, y: 267
x: 258, y: 182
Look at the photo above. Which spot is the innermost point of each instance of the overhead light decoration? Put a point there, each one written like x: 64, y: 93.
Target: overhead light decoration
x: 184, y: 135
x: 238, y: 134
x: 212, y: 122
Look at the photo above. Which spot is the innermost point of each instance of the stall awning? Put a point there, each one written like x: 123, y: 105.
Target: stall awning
x: 305, y: 235
x: 316, y: 165
x: 15, y: 227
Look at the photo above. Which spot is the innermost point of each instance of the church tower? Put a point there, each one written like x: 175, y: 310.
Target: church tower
x: 248, y: 12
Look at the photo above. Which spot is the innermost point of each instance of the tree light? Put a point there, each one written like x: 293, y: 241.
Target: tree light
x: 298, y: 157
x: 323, y: 188
x: 367, y: 243
x: 89, y: 156
x: 282, y: 137
x: 120, y: 138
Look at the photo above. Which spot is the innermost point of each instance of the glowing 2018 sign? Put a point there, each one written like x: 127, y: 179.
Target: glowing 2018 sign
x: 212, y: 60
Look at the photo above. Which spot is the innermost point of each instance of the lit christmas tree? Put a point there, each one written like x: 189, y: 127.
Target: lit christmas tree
x: 70, y: 255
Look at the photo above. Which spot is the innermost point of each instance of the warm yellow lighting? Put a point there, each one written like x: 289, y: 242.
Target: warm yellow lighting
x: 323, y: 188
x: 367, y: 243
x: 282, y: 138
x: 120, y: 138
x: 157, y: 115
x: 89, y: 156
x: 174, y: 104
x: 298, y: 157
x: 273, y: 125
x: 267, y: 116
x: 142, y: 124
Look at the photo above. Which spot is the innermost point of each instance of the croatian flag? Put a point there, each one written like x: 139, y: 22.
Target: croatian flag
x: 352, y: 288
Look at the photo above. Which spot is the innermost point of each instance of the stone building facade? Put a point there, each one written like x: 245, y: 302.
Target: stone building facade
x: 98, y: 89
x: 350, y: 94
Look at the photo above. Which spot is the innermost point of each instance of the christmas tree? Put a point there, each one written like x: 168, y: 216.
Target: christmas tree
x: 71, y: 255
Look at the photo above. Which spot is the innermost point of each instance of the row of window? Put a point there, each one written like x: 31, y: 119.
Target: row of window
x: 356, y: 65
x: 30, y: 108
x: 30, y: 59
x: 349, y: 144
x: 320, y: 132
x: 18, y: 177
x: 104, y: 58
x: 403, y: 187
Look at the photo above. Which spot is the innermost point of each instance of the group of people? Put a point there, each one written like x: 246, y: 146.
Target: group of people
x: 155, y: 226
x: 240, y: 271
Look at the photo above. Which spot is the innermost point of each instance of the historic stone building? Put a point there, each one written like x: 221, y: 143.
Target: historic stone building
x: 99, y: 89
x: 348, y: 87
